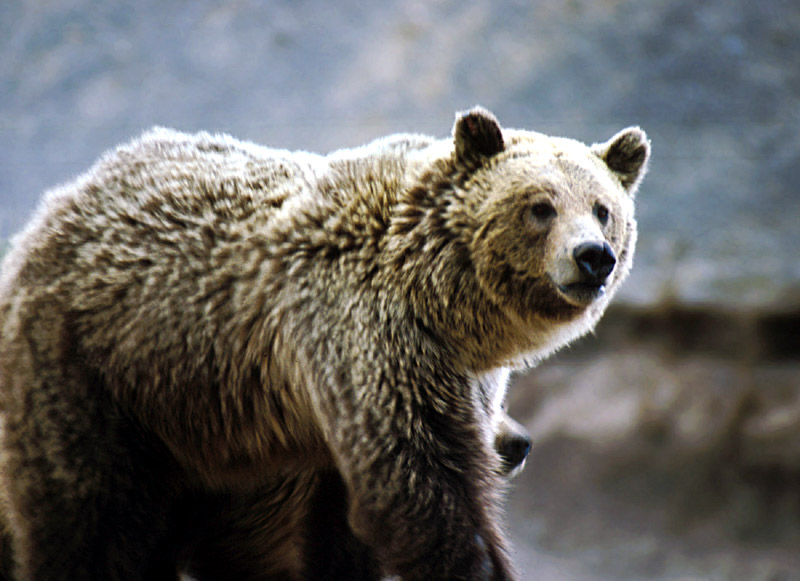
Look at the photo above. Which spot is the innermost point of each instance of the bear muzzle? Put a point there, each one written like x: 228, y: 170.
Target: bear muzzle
x: 595, y: 262
x: 513, y: 449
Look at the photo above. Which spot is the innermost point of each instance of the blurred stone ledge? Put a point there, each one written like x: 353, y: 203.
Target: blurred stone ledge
x: 744, y: 334
x: 691, y: 377
x: 666, y: 445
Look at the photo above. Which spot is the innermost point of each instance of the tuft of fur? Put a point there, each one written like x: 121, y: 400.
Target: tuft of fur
x: 221, y: 358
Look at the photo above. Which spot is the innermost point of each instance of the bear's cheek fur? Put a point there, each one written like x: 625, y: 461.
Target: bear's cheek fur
x: 511, y: 238
x: 509, y: 249
x: 622, y: 238
x: 514, y: 274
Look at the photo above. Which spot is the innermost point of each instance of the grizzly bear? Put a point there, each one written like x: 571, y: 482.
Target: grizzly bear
x: 234, y: 362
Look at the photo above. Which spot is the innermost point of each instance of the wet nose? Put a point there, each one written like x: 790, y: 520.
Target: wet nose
x: 595, y: 261
x: 514, y: 449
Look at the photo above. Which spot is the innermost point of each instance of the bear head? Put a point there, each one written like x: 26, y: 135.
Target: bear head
x: 554, y: 229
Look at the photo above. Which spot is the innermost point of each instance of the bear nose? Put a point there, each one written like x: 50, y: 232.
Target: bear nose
x: 514, y: 449
x: 595, y: 261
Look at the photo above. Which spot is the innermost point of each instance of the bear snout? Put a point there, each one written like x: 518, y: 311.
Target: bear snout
x: 513, y: 449
x: 595, y: 262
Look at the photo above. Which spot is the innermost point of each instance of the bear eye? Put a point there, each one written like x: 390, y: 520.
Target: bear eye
x: 543, y: 211
x: 601, y: 213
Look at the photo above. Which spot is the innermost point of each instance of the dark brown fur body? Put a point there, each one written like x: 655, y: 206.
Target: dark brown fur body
x: 212, y: 352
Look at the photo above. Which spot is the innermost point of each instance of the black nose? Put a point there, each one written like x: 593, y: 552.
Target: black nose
x: 514, y: 449
x: 595, y: 261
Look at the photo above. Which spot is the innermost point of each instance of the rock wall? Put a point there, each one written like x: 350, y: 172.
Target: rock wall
x: 665, y: 447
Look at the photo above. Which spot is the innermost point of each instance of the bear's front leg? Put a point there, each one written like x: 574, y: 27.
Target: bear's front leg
x: 89, y: 498
x: 421, y: 479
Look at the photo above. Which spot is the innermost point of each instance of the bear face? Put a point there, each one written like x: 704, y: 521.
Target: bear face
x: 554, y: 229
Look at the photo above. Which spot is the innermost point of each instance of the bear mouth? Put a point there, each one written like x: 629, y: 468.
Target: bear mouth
x: 582, y: 293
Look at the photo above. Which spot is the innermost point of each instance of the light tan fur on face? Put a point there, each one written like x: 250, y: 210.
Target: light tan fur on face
x: 573, y: 178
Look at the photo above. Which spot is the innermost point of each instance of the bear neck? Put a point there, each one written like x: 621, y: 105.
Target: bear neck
x: 407, y: 232
x: 426, y: 250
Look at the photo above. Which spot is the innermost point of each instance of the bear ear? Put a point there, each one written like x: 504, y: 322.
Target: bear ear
x: 477, y: 135
x: 627, y: 155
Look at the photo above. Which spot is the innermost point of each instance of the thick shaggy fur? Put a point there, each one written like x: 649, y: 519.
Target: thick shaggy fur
x: 241, y: 362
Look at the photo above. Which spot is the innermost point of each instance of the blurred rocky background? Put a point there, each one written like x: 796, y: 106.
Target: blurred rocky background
x: 667, y: 445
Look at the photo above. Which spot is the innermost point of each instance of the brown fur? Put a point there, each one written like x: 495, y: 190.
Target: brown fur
x: 215, y: 356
